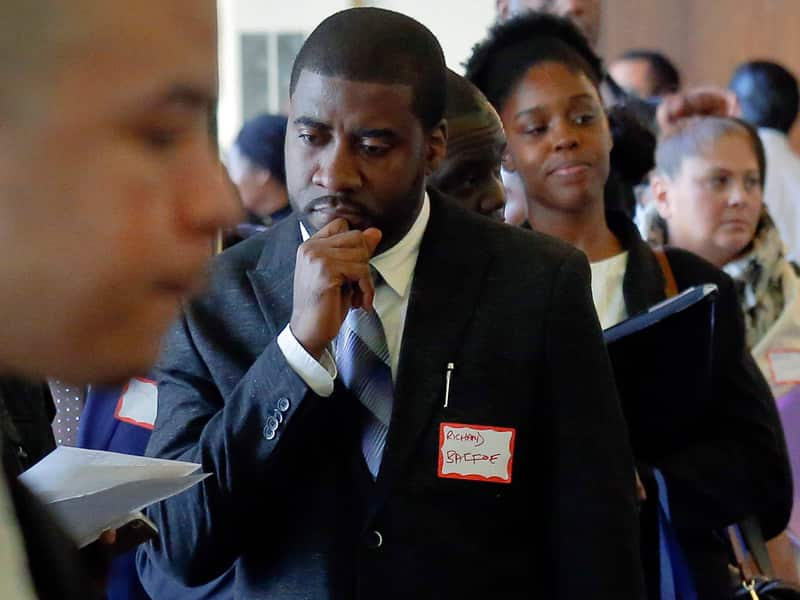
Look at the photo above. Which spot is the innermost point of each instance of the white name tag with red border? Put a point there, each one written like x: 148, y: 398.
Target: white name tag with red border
x: 784, y: 366
x: 138, y: 404
x: 476, y: 452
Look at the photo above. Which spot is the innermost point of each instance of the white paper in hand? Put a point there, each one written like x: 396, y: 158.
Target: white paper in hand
x: 90, y: 491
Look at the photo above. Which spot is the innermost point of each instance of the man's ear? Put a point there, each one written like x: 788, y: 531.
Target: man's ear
x: 437, y: 147
x: 659, y: 187
x: 507, y: 161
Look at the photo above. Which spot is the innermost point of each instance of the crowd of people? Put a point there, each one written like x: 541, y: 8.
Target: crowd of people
x: 395, y: 370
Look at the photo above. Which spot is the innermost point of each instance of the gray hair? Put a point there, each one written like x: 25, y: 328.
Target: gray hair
x: 694, y: 136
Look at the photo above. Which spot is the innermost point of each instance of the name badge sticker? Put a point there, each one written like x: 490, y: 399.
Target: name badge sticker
x: 138, y: 404
x: 784, y: 366
x: 476, y: 452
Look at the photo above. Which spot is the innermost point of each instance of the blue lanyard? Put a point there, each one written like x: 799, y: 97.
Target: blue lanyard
x: 676, y: 578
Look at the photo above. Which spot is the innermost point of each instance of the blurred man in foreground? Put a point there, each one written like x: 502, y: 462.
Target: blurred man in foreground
x: 110, y: 195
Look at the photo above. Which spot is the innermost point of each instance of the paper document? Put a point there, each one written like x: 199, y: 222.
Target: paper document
x: 90, y: 491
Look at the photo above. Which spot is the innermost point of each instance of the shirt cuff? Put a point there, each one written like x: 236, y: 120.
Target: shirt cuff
x: 319, y: 376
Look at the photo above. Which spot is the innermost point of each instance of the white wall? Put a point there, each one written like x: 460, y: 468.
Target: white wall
x: 245, y: 16
x: 457, y: 23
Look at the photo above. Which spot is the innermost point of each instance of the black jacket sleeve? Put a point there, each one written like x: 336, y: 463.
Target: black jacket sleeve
x: 229, y: 436
x: 594, y: 529
x: 739, y: 465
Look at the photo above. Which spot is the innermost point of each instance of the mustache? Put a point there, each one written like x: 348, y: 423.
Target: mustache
x: 333, y: 201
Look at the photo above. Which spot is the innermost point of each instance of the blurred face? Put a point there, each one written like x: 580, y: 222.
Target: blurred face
x: 111, y: 197
x: 713, y: 204
x: 355, y: 150
x: 634, y: 76
x: 260, y: 192
x: 584, y: 13
x: 470, y: 171
x: 558, y: 139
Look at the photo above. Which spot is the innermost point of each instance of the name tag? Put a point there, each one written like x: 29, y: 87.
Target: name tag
x: 475, y: 452
x: 784, y: 366
x: 138, y: 404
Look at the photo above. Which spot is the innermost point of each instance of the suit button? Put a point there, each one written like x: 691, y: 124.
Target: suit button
x: 373, y: 540
x: 283, y: 404
x: 272, y: 423
x: 269, y: 434
x: 278, y: 415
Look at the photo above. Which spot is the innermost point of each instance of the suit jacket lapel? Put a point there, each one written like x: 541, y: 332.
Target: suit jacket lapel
x: 273, y: 277
x: 447, y: 281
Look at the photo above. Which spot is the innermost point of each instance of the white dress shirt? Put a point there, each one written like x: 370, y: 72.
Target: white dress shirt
x: 609, y: 302
x: 396, y: 267
x: 782, y: 189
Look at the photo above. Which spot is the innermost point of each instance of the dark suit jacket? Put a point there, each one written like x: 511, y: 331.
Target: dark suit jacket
x: 513, y: 310
x: 57, y: 569
x: 734, y: 463
x: 26, y: 415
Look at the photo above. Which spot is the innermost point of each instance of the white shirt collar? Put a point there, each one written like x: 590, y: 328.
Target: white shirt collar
x: 396, y: 265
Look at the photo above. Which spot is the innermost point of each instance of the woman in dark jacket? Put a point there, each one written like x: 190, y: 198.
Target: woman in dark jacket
x: 731, y: 461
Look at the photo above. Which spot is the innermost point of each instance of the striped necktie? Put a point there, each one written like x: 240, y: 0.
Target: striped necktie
x: 362, y: 357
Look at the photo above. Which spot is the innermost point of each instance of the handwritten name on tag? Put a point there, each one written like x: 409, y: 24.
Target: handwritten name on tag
x: 475, y: 452
x: 784, y: 366
x: 138, y: 404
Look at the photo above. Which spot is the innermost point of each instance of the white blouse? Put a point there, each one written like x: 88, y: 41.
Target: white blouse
x: 607, y: 276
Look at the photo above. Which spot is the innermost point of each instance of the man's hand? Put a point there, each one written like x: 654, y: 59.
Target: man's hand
x: 696, y: 102
x: 96, y: 558
x: 331, y: 276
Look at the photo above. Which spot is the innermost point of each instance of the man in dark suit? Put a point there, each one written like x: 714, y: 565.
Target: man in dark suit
x: 392, y: 408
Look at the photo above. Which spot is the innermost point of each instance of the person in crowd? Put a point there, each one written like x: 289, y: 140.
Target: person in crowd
x: 645, y: 73
x: 256, y: 166
x: 541, y: 74
x: 470, y: 171
x: 336, y: 379
x: 769, y: 99
x: 633, y: 119
x: 100, y: 251
x: 708, y: 189
x: 672, y: 111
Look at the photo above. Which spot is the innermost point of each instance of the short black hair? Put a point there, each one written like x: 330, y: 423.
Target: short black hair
x: 767, y: 93
x: 261, y: 141
x: 381, y: 46
x: 514, y: 46
x: 462, y: 96
x: 663, y: 73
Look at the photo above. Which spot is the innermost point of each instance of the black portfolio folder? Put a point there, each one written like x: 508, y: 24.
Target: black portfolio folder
x: 662, y: 361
